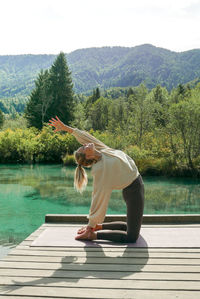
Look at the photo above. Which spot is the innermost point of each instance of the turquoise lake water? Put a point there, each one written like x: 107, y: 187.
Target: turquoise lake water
x: 28, y: 193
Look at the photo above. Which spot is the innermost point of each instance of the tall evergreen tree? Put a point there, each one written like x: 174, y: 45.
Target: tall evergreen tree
x: 130, y: 92
x: 39, y: 101
x: 1, y: 118
x: 160, y: 103
x: 52, y: 95
x: 61, y: 90
x: 91, y: 100
x: 97, y: 93
x: 181, y: 89
x: 98, y: 114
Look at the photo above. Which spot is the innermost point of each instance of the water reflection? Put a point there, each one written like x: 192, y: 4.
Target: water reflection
x: 27, y: 193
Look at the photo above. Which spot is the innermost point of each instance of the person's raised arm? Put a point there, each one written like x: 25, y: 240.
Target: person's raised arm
x: 59, y: 125
x: 81, y: 136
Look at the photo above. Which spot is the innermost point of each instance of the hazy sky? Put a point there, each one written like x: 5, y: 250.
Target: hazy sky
x: 51, y: 26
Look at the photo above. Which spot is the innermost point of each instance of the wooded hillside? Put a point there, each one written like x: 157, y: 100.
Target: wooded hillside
x: 103, y: 67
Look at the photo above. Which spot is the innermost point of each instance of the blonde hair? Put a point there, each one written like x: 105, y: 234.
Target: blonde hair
x: 80, y: 175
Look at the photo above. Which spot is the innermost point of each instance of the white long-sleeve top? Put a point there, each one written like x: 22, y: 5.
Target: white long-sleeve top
x: 115, y: 170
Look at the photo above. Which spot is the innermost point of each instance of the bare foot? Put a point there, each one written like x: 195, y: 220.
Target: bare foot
x: 86, y: 235
x: 84, y: 228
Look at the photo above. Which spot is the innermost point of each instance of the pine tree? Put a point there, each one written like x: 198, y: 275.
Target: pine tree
x: 181, y: 89
x: 160, y: 104
x: 129, y: 92
x: 97, y: 93
x: 39, y: 101
x: 91, y: 100
x: 61, y: 90
x: 1, y: 119
x: 52, y: 95
x: 158, y: 96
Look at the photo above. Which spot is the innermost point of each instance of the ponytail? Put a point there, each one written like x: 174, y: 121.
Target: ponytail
x: 80, y: 179
x: 80, y: 175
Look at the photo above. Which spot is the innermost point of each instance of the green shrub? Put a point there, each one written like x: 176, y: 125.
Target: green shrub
x: 155, y: 166
x: 136, y: 153
x: 69, y: 160
x: 31, y: 145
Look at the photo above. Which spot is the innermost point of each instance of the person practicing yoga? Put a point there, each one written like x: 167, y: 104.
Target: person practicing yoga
x: 111, y: 169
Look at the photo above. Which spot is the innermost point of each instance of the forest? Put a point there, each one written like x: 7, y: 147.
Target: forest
x: 157, y: 127
x: 104, y: 67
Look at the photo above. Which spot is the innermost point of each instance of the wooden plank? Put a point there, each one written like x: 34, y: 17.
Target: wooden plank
x: 147, y: 219
x: 26, y: 245
x: 170, y: 276
x: 64, y: 272
x: 27, y: 297
x: 99, y: 293
x: 131, y: 254
x: 46, y: 225
x: 102, y: 260
x: 101, y: 283
x: 72, y: 225
x: 35, y: 234
x: 27, y: 242
x: 101, y: 267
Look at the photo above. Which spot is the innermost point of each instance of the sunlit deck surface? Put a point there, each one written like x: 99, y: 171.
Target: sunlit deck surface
x: 100, y: 272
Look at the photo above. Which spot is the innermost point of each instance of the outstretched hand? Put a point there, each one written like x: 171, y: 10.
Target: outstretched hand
x: 57, y: 123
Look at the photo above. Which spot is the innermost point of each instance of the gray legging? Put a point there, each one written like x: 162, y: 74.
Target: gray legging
x: 123, y: 232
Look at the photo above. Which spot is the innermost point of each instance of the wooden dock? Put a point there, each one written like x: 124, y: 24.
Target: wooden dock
x: 99, y: 272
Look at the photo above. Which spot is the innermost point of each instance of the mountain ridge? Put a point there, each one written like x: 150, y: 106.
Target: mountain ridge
x: 104, y: 67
